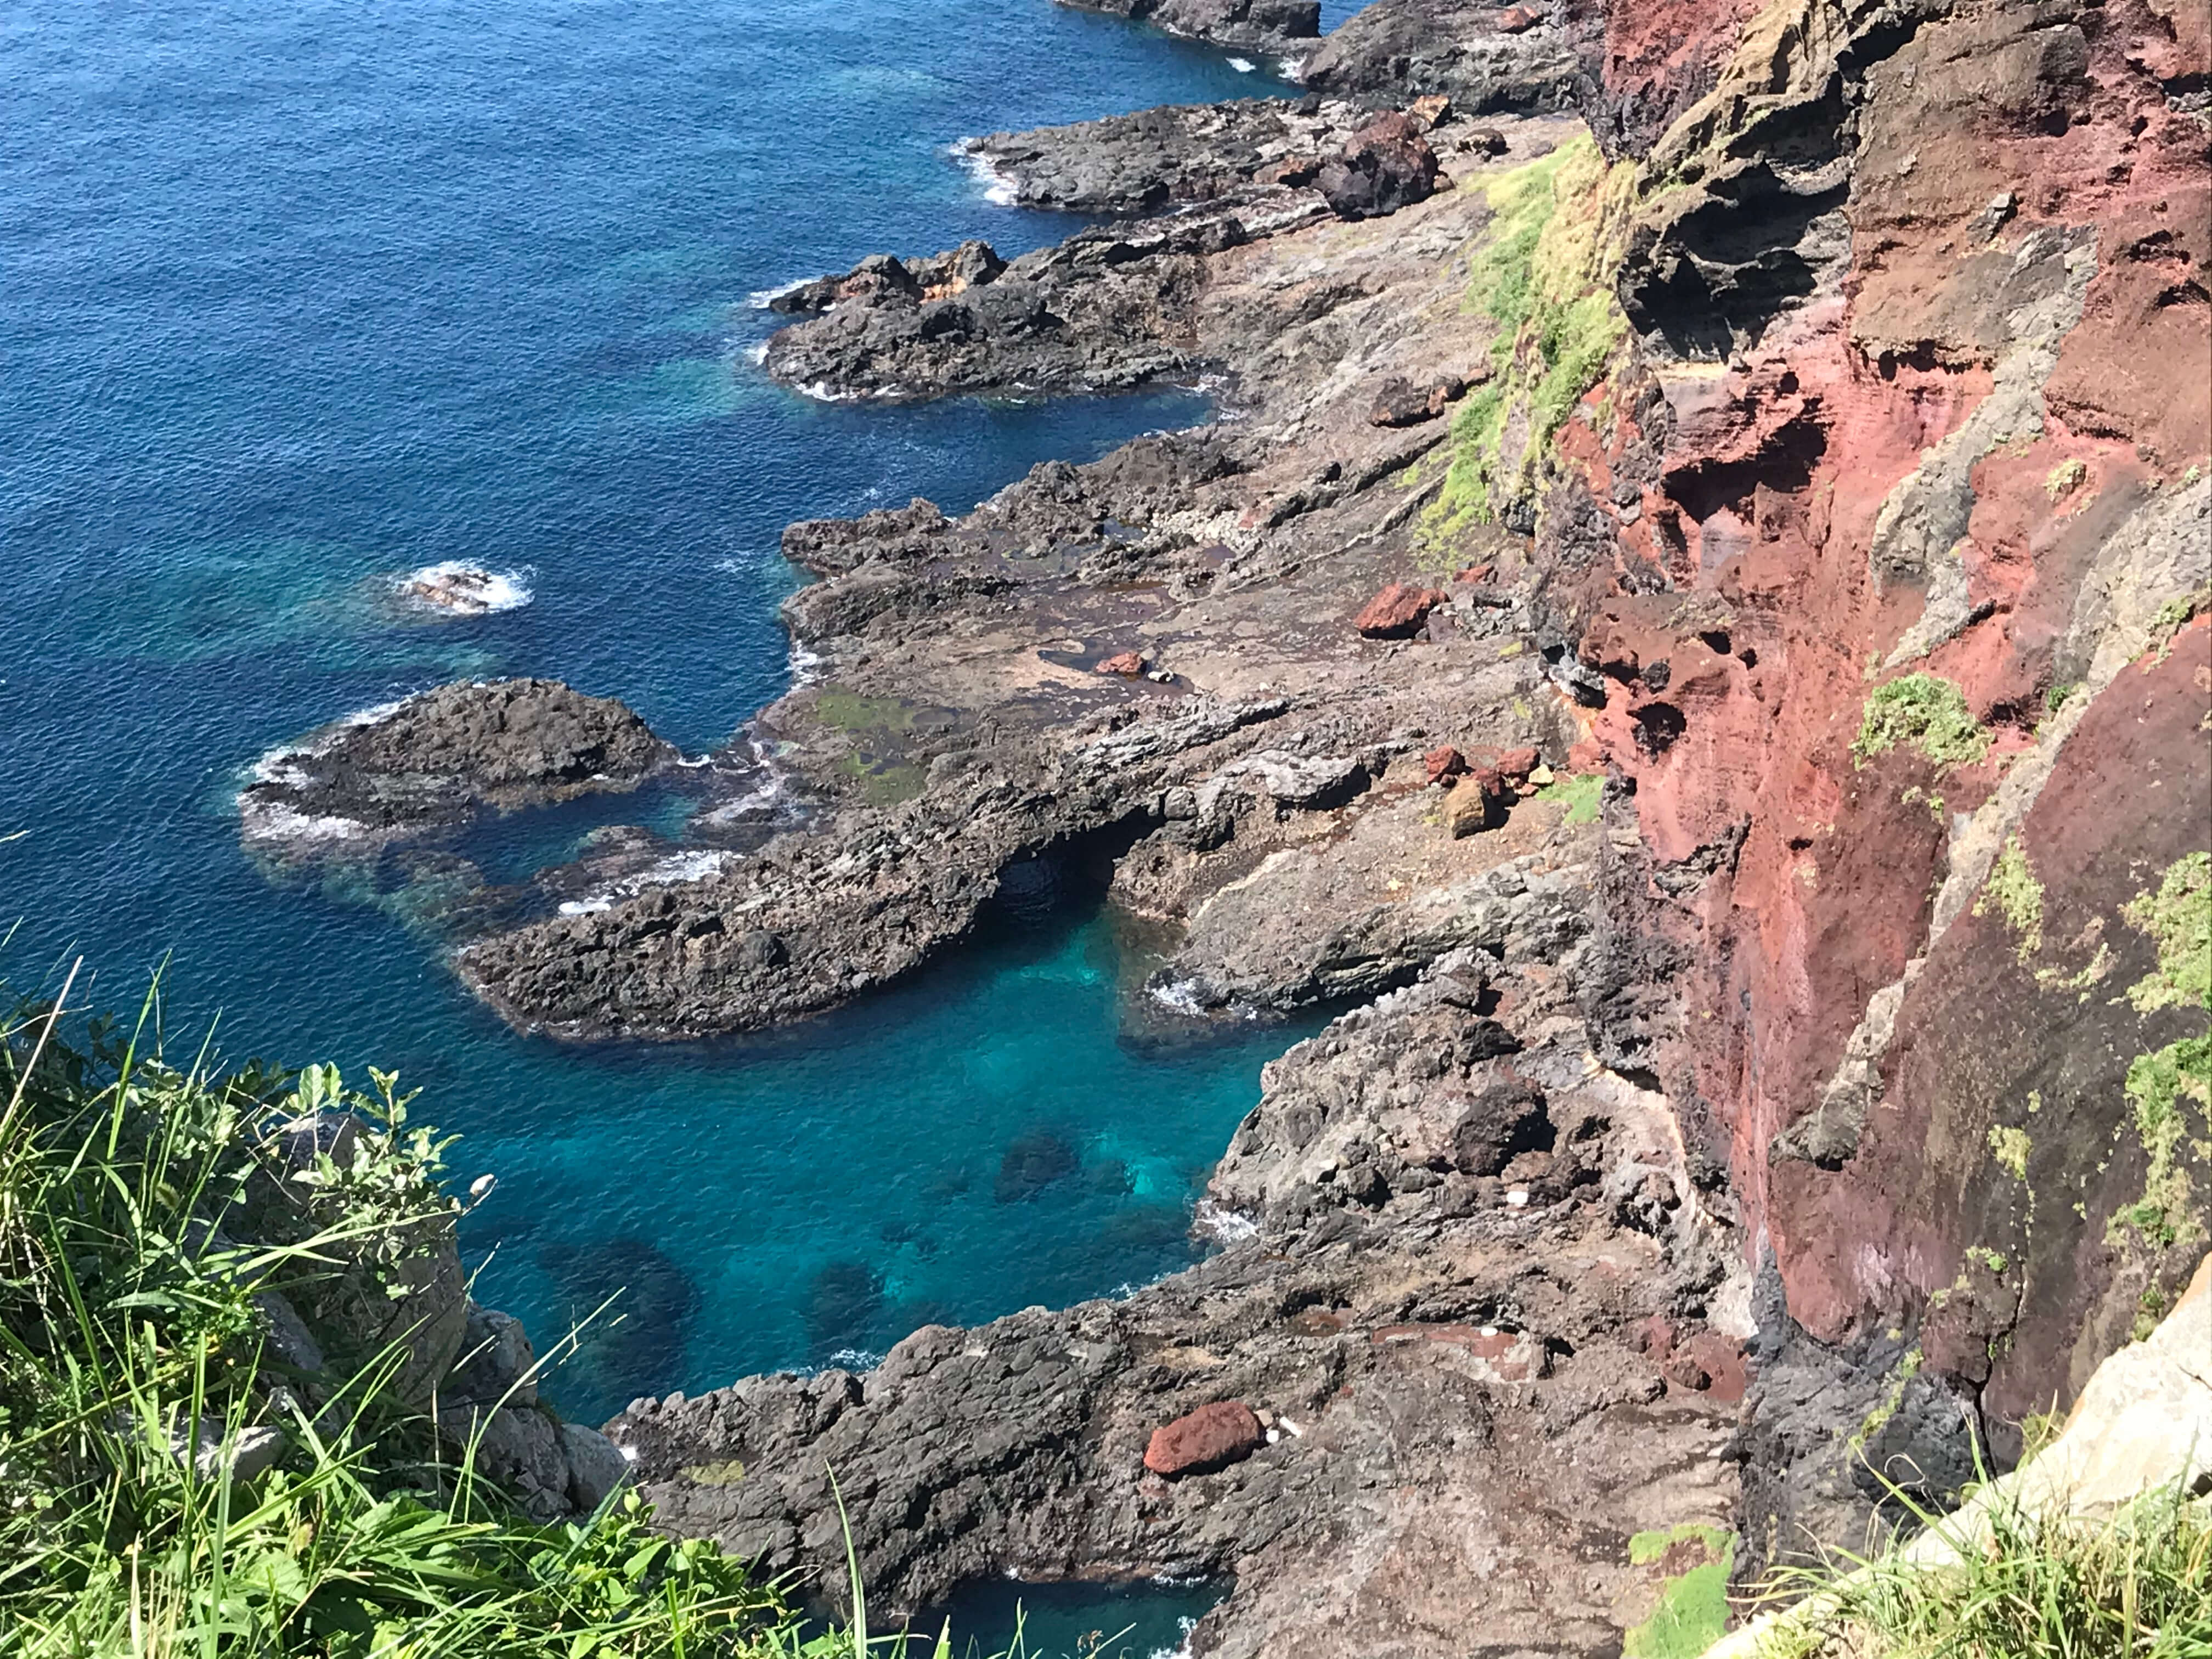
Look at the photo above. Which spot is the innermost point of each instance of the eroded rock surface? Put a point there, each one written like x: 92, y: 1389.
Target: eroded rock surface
x: 1257, y: 25
x: 1821, y: 504
x: 445, y: 756
x: 1443, y: 1378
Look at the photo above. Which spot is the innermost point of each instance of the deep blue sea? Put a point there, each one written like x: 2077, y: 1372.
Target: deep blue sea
x: 296, y: 298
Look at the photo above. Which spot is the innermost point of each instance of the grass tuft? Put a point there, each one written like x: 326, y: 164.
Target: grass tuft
x: 2137, y: 1586
x: 1924, y: 712
x: 170, y: 1486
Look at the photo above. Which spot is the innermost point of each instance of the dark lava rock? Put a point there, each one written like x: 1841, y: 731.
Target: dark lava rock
x: 1104, y: 310
x: 1398, y: 49
x: 1176, y: 156
x: 1502, y: 1121
x: 1261, y: 25
x: 1387, y: 166
x: 1211, y: 1438
x: 444, y: 756
x: 1399, y: 402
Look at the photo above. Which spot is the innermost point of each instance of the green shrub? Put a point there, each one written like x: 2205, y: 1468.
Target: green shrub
x: 1543, y: 276
x: 1925, y: 711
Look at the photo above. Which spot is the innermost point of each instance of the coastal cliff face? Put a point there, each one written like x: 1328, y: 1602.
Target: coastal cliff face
x: 1697, y: 616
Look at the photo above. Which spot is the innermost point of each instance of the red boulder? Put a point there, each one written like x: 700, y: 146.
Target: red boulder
x: 1444, y: 762
x: 1128, y: 665
x: 1398, y: 611
x: 1515, y: 19
x: 1516, y: 764
x: 1211, y: 1438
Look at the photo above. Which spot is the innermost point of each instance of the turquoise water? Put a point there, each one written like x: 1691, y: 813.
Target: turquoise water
x: 296, y: 298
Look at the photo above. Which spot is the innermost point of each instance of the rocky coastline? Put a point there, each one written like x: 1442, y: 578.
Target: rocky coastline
x: 1704, y: 507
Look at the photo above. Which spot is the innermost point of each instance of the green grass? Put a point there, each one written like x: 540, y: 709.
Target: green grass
x: 1693, y: 1608
x: 2163, y: 1085
x: 1923, y: 712
x: 1580, y: 796
x: 1543, y: 276
x: 2013, y: 893
x: 2137, y: 1586
x: 144, y: 1220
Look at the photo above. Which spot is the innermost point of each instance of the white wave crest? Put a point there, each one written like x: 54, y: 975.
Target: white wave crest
x: 997, y: 186
x: 674, y: 871
x: 762, y: 298
x: 1226, y: 1225
x: 455, y: 589
x: 275, y: 822
x: 1242, y: 65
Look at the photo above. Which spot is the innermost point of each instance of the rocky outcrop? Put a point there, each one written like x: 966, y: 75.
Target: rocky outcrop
x: 1185, y: 155
x: 1403, y: 1361
x: 1104, y: 311
x: 957, y: 736
x: 1483, y: 58
x: 1254, y: 25
x: 443, y: 756
x: 395, y: 1298
x: 2141, y: 1428
x: 1833, y: 527
x: 1111, y: 309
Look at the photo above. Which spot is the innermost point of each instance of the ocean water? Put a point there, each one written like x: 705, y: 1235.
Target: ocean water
x: 297, y: 299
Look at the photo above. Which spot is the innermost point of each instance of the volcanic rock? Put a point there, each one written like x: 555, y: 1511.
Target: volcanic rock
x: 1476, y: 803
x: 444, y: 756
x: 1401, y: 49
x: 1256, y: 25
x: 1398, y: 611
x: 1211, y: 1438
x: 1387, y: 165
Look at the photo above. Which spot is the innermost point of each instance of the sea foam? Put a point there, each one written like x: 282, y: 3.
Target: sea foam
x: 453, y: 588
x: 997, y: 186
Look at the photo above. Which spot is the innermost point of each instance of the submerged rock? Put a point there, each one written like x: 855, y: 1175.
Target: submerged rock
x: 633, y: 1306
x: 1032, y: 1163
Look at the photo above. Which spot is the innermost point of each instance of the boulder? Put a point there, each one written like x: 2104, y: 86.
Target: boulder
x: 1329, y: 780
x: 1444, y: 763
x: 1211, y: 1438
x: 1517, y: 20
x: 1127, y: 664
x: 1398, y: 402
x: 1398, y: 611
x: 1501, y: 1121
x: 1477, y: 802
x: 595, y: 1465
x: 1431, y: 110
x: 1513, y: 765
x: 1387, y: 166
